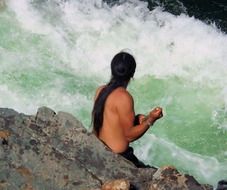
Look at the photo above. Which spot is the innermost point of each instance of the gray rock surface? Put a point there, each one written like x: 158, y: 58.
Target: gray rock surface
x: 54, y: 151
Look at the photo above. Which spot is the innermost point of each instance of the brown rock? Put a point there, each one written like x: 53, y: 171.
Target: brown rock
x: 25, y: 172
x: 4, y: 134
x: 119, y: 184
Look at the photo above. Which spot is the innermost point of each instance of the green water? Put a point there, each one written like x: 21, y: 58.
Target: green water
x: 56, y: 54
x: 187, y: 116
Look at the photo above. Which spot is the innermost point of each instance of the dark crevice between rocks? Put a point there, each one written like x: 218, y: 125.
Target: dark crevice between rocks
x: 89, y: 172
x: 5, y: 142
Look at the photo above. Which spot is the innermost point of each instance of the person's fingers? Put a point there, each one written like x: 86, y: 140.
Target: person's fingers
x: 158, y: 109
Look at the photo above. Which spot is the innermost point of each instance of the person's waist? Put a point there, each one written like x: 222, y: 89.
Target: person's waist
x: 118, y: 150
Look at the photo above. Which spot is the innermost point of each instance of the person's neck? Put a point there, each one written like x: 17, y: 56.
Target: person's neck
x: 123, y: 83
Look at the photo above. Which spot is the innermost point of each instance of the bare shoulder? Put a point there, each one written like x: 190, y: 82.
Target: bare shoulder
x: 98, y: 90
x: 122, y: 94
x: 122, y: 101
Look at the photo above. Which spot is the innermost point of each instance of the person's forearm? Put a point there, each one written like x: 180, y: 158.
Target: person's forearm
x: 138, y: 130
x: 148, y: 120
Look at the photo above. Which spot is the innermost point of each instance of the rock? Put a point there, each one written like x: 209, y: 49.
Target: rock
x: 119, y: 184
x: 54, y: 151
x: 169, y: 178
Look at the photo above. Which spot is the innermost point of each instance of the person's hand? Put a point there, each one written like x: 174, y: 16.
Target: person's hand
x: 156, y: 113
x: 149, y: 120
x: 141, y: 118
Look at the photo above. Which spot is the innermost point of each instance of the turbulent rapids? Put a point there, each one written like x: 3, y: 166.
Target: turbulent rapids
x: 55, y: 53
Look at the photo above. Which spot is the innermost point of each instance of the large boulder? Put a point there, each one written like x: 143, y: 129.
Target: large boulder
x: 55, y: 151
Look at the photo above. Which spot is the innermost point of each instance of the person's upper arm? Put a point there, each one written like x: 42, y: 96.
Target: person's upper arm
x: 125, y: 109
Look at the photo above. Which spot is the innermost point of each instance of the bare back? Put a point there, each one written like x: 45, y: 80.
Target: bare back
x: 118, y: 114
x: 118, y: 128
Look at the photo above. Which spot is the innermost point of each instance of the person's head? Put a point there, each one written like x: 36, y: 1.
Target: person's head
x: 123, y: 67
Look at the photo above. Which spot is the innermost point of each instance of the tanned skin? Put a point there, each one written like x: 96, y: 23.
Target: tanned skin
x: 118, y: 118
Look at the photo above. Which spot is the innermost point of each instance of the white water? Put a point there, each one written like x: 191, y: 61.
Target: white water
x: 56, y: 53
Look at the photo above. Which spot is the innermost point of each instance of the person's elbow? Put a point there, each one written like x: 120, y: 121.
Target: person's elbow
x: 129, y: 137
x: 132, y: 136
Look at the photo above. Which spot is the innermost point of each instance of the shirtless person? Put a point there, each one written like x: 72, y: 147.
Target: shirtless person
x: 113, y: 116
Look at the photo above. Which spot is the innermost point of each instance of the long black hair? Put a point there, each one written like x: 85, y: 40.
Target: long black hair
x: 123, y: 67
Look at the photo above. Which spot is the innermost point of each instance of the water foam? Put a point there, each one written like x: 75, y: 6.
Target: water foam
x: 28, y: 16
x: 83, y: 30
x: 162, y: 152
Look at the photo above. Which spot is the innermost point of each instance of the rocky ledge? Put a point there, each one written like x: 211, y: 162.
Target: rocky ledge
x: 52, y: 151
